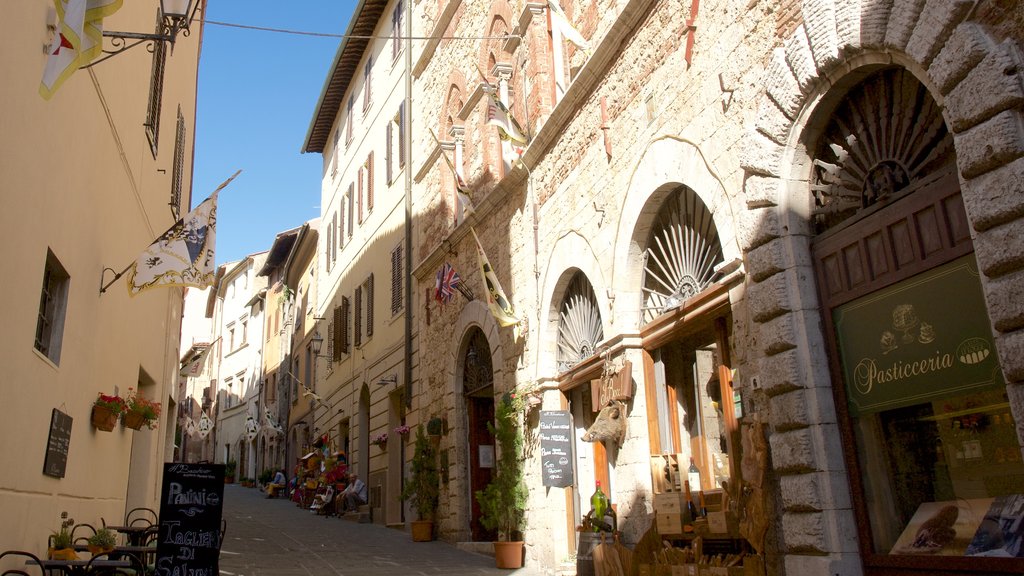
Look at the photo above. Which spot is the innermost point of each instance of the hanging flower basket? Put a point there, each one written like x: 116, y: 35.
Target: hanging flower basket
x: 381, y: 441
x: 134, y: 420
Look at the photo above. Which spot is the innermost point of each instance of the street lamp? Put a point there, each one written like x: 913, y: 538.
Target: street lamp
x: 175, y: 16
x: 316, y: 344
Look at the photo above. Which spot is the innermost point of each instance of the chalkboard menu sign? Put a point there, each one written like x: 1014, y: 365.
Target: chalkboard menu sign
x: 556, y: 447
x: 190, y: 518
x: 56, y: 461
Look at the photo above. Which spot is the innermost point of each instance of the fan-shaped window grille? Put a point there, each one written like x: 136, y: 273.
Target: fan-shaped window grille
x: 579, y: 323
x: 682, y: 252
x: 476, y: 371
x: 887, y: 134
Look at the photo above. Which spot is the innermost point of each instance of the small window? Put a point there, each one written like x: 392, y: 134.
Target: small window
x: 367, y: 76
x: 245, y: 331
x: 369, y: 183
x: 396, y: 31
x: 388, y: 156
x: 397, y: 264
x: 337, y: 152
x: 368, y: 289
x: 156, y: 89
x: 351, y: 209
x: 401, y: 135
x: 359, y: 316
x: 334, y: 245
x: 348, y: 120
x: 53, y: 301
x: 231, y: 338
x: 361, y: 191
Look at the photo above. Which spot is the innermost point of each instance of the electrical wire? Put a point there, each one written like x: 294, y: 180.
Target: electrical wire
x: 356, y: 36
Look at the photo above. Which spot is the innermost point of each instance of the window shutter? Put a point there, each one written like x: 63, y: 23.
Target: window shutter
x: 348, y: 120
x: 338, y: 341
x: 387, y: 153
x: 359, y: 196
x: 341, y: 221
x: 401, y: 134
x: 156, y: 91
x: 334, y: 245
x: 369, y: 306
x: 359, y: 316
x: 351, y: 209
x: 177, y: 172
x: 367, y: 74
x: 345, y: 313
x: 369, y: 182
x: 328, y: 241
x: 396, y: 280
x: 396, y: 23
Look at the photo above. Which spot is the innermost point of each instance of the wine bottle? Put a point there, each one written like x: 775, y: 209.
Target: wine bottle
x: 693, y: 475
x: 690, y: 506
x: 598, y: 506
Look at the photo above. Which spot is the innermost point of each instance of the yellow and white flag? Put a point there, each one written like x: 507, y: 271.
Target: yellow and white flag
x: 558, y: 18
x: 499, y: 116
x: 79, y: 39
x: 182, y: 256
x: 497, y: 302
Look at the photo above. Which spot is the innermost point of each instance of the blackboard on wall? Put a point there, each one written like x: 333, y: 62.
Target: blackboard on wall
x: 556, y: 447
x: 56, y: 461
x: 191, y: 502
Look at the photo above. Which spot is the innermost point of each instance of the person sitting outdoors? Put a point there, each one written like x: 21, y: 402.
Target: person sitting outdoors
x: 278, y: 483
x: 354, y: 495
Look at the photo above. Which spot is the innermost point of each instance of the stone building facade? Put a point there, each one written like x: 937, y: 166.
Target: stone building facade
x: 812, y: 158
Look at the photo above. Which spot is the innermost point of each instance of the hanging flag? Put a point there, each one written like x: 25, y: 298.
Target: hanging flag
x: 559, y: 19
x: 499, y: 305
x: 194, y: 367
x: 446, y: 283
x: 251, y: 430
x: 190, y: 426
x: 182, y: 256
x: 462, y: 191
x: 205, y: 425
x: 79, y: 39
x: 499, y: 117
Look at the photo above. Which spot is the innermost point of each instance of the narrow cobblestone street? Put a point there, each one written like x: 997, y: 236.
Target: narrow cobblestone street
x: 276, y: 538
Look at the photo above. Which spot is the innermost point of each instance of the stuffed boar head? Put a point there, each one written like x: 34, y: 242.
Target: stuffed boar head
x: 609, y: 425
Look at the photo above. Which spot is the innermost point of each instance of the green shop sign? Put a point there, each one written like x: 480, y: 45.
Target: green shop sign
x: 924, y: 338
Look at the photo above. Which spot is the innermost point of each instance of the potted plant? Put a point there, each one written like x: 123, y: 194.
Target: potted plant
x: 140, y: 411
x: 503, y: 501
x: 102, y: 541
x: 229, y: 471
x: 61, y: 543
x: 423, y: 489
x: 106, y: 410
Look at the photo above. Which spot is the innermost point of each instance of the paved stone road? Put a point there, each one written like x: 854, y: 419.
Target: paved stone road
x: 276, y: 538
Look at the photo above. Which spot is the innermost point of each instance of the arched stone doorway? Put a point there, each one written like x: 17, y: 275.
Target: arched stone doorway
x: 478, y: 399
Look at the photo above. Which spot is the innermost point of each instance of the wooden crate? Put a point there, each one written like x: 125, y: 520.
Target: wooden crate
x: 665, y: 473
x: 669, y: 503
x: 669, y: 523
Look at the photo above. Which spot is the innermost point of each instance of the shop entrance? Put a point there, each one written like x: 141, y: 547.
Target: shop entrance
x: 478, y: 395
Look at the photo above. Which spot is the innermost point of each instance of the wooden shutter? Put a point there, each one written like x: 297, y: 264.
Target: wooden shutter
x: 338, y: 333
x: 367, y: 74
x: 369, y: 182
x: 359, y: 316
x: 401, y: 134
x: 396, y: 280
x: 346, y: 311
x: 369, y: 306
x: 388, y: 159
x: 359, y: 197
x: 334, y: 246
x: 348, y: 120
x: 341, y: 220
x: 351, y: 209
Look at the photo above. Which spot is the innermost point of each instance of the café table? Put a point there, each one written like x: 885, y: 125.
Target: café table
x: 136, y: 534
x: 79, y: 567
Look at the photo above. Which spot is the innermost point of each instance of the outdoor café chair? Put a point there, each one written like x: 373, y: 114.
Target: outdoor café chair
x: 29, y: 559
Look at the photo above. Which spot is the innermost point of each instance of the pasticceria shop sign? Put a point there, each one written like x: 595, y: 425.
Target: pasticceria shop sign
x: 920, y: 339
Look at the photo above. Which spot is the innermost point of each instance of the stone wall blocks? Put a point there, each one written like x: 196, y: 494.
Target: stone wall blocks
x: 996, y: 197
x: 804, y: 532
x: 788, y: 411
x: 938, y: 18
x: 822, y: 35
x: 792, y: 451
x: 990, y: 145
x: 994, y: 85
x: 757, y: 227
x: 780, y: 373
x: 848, y: 24
x: 802, y: 492
x: 769, y: 299
x: 994, y: 257
x: 759, y: 154
x: 800, y: 59
x: 772, y: 122
x: 874, y: 19
x: 1005, y: 298
x: 905, y: 14
x: 781, y: 85
x: 965, y: 48
x: 779, y: 334
x: 766, y: 260
x: 1011, y: 355
x: 831, y: 564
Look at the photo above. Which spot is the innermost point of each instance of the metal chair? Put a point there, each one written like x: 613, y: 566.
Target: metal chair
x: 137, y: 568
x: 140, y: 516
x: 27, y: 571
x: 81, y: 532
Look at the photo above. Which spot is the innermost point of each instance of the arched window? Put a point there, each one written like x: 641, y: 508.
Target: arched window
x: 579, y: 323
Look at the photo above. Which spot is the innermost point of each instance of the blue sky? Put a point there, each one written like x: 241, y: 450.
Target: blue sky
x: 257, y: 93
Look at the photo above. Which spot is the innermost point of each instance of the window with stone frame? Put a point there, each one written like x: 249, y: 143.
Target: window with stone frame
x: 367, y: 83
x: 53, y: 300
x: 348, y: 119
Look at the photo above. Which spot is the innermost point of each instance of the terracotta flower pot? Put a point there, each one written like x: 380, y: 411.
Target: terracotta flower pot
x: 103, y: 418
x: 508, y: 554
x: 94, y: 550
x: 422, y: 530
x: 133, y: 420
x: 62, y: 554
